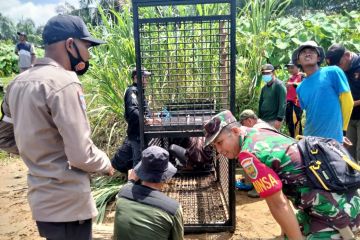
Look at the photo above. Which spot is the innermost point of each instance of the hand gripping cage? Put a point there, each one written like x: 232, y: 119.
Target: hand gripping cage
x: 189, y: 47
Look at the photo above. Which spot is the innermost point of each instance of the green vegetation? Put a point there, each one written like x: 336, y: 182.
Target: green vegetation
x: 104, y: 190
x: 8, y: 59
x: 276, y: 42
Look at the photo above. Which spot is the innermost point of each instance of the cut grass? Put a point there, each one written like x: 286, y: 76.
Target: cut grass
x: 104, y: 190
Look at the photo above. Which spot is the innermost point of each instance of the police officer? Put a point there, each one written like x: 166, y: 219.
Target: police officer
x: 129, y: 154
x: 52, y: 132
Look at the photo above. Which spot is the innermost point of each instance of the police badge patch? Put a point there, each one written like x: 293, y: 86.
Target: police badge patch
x: 249, y: 167
x: 82, y: 99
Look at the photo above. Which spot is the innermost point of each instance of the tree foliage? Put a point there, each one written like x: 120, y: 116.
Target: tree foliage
x: 7, y: 29
x: 298, y: 7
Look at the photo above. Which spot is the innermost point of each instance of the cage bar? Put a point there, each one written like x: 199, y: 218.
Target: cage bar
x: 190, y: 50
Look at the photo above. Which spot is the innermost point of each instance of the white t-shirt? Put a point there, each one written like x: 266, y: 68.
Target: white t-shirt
x: 25, y: 50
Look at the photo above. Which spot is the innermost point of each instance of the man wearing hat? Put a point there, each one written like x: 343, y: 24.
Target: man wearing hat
x: 349, y: 62
x: 129, y: 154
x: 248, y: 118
x: 272, y: 101
x: 324, y: 94
x: 293, y: 110
x: 142, y: 210
x: 25, y: 51
x: 52, y: 132
x: 274, y: 164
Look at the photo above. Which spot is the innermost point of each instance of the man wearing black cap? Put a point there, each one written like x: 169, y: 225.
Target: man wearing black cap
x: 52, y: 132
x: 348, y: 61
x: 272, y: 102
x: 142, y: 210
x: 324, y: 94
x: 25, y: 51
x: 129, y: 154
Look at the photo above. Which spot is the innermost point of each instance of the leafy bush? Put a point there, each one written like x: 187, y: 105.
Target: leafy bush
x: 8, y: 59
x: 276, y: 44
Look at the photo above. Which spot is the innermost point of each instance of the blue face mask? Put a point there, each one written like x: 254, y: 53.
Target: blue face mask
x: 266, y: 78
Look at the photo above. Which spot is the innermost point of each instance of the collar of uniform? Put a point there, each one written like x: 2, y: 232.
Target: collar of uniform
x: 47, y: 61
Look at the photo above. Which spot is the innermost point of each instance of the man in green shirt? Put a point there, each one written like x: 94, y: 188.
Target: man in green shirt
x: 272, y: 103
x: 142, y: 210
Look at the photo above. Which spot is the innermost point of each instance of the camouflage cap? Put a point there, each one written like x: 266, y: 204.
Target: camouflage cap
x: 247, y: 113
x: 213, y: 127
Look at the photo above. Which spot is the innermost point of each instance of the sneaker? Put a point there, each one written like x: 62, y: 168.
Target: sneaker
x: 253, y: 194
x: 243, y: 186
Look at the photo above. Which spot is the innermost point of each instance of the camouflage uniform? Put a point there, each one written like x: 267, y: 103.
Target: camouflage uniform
x: 320, y: 212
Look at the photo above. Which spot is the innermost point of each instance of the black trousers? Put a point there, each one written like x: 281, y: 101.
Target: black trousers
x: 293, y: 119
x: 127, y: 156
x: 78, y: 230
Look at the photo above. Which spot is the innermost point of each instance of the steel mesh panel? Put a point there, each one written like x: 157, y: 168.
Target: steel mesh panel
x: 223, y: 175
x: 191, y: 54
x: 201, y: 199
x: 189, y: 64
x: 161, y: 142
x: 204, y: 198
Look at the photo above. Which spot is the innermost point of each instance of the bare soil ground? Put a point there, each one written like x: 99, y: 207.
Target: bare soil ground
x: 253, y: 220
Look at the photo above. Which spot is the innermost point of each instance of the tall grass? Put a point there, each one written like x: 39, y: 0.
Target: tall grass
x: 253, y: 38
x: 109, y: 77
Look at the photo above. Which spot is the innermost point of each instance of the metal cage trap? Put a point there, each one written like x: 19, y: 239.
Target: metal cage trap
x: 189, y: 47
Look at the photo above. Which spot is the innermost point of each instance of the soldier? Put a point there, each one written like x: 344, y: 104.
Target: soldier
x: 274, y: 164
x: 248, y: 118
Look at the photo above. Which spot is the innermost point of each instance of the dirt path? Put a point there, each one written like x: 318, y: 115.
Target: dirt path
x: 254, y: 220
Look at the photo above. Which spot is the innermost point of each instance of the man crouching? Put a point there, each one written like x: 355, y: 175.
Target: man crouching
x: 142, y: 210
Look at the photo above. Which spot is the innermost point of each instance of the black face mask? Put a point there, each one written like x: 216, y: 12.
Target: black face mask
x: 78, y: 65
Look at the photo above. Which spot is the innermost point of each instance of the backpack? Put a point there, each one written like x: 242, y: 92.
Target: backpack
x: 328, y: 165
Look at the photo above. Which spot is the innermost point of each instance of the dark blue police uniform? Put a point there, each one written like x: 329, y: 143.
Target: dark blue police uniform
x: 129, y: 154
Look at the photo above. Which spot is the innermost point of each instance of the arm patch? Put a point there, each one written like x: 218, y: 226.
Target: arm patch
x: 266, y: 182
